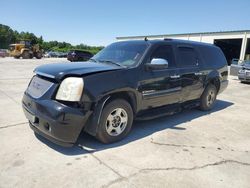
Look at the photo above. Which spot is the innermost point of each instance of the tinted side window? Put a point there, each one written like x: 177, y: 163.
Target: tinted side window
x: 213, y: 57
x: 187, y: 57
x: 164, y: 52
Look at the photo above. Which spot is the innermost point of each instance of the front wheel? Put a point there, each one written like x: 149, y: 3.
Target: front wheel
x: 39, y: 55
x: 116, y: 121
x: 208, y: 98
x: 26, y: 55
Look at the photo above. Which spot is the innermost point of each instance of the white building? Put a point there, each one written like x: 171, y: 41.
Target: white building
x: 234, y: 44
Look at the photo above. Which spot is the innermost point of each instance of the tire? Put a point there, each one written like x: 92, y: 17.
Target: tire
x: 38, y: 55
x: 115, y: 122
x: 16, y: 57
x: 208, y: 98
x: 26, y: 55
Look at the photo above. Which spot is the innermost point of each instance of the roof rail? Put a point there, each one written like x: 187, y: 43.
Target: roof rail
x: 167, y: 39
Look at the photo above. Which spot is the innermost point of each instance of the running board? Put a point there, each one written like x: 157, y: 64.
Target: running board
x: 166, y: 111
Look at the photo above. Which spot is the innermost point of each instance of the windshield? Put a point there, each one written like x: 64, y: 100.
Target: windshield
x: 122, y: 53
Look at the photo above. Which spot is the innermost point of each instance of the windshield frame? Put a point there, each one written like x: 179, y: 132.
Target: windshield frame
x: 136, y: 64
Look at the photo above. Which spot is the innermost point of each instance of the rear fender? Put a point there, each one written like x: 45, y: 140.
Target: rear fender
x: 213, y: 77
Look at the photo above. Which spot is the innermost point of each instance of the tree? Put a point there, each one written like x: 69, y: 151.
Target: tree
x: 8, y: 36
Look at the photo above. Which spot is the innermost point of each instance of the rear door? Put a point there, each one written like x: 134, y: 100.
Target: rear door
x: 190, y: 74
x: 161, y: 87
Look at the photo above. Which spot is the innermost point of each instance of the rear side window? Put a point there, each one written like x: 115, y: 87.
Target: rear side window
x: 164, y: 52
x: 187, y: 57
x: 213, y: 56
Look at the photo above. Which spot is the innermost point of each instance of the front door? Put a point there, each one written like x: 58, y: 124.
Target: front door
x: 160, y: 87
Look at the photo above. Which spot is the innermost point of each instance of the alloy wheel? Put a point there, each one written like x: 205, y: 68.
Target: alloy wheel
x: 116, y: 122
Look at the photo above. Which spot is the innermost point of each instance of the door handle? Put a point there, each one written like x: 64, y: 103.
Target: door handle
x: 175, y: 76
x: 198, y: 73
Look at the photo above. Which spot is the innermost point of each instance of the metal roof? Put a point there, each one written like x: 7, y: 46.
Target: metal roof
x: 184, y: 34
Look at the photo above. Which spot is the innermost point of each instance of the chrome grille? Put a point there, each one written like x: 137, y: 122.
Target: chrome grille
x: 38, y: 87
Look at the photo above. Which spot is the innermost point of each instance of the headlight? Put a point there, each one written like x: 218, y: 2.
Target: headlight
x: 241, y: 71
x: 70, y: 89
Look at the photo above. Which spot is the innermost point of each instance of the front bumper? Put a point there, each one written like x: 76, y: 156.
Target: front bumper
x: 244, y: 77
x: 57, y: 122
x: 223, y: 85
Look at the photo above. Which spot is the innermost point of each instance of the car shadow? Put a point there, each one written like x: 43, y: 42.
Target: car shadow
x: 247, y: 83
x: 140, y: 129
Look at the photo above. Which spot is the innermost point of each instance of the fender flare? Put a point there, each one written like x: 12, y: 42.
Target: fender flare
x: 213, y: 77
x: 94, y: 120
x: 24, y: 49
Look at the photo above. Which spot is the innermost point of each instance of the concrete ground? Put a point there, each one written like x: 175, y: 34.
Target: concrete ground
x: 189, y: 149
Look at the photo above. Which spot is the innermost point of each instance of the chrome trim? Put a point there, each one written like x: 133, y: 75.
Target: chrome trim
x: 175, y: 76
x: 198, y: 73
x: 155, y: 93
x: 42, y: 94
x: 44, y: 74
x: 45, y: 91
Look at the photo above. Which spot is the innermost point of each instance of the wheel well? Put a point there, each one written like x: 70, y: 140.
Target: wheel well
x: 216, y: 83
x: 128, y: 96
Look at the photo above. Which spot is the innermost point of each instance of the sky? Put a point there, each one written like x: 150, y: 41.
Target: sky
x: 99, y: 22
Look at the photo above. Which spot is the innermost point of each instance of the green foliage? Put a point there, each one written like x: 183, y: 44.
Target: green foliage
x: 9, y: 36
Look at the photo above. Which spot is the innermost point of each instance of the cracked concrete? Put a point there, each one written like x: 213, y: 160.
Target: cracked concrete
x: 7, y: 126
x: 190, y: 149
x: 103, y: 163
x: 198, y: 167
x: 194, y: 177
x: 127, y: 179
x: 191, y: 146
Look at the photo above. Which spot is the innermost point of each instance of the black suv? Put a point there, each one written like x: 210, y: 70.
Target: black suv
x: 125, y: 81
x: 79, y: 55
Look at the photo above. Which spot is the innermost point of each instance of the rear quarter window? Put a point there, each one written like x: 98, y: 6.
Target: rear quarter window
x: 212, y: 56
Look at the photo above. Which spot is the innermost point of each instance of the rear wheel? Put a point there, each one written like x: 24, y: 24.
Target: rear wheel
x: 116, y: 121
x: 208, y: 98
x: 26, y: 55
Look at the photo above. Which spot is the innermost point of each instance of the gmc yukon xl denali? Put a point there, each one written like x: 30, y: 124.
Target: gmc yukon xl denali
x: 127, y: 80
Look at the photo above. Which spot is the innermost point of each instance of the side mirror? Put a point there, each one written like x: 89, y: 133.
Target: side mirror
x: 157, y: 64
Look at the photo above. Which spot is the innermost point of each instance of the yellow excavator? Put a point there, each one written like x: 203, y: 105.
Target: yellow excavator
x: 25, y: 50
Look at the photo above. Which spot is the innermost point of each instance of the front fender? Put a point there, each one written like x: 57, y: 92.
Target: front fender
x: 93, y: 122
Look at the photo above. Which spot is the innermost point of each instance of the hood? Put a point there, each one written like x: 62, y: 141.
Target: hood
x: 60, y: 70
x: 246, y: 66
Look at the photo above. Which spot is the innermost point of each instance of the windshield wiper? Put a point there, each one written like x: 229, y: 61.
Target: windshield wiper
x: 109, y: 61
